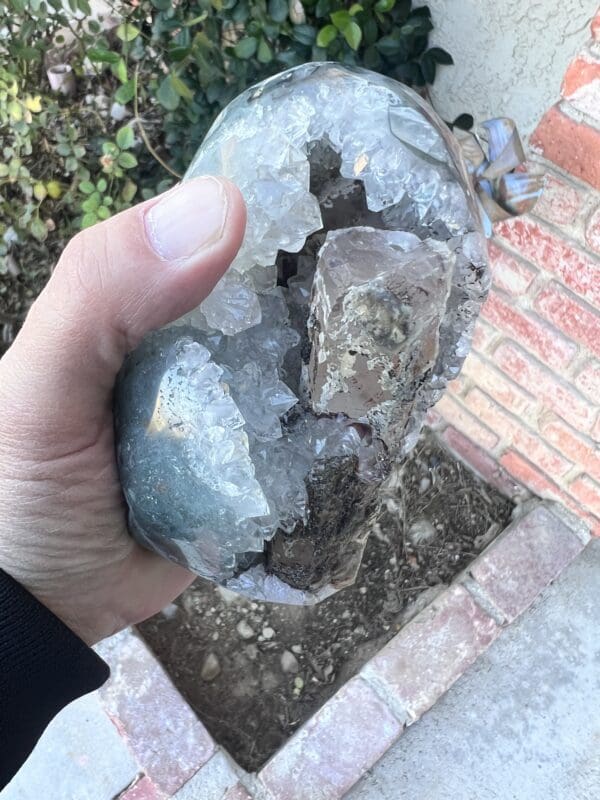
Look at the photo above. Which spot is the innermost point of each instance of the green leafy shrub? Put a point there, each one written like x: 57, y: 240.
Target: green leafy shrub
x: 147, y: 80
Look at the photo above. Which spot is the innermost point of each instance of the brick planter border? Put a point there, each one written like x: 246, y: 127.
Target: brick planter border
x: 348, y: 734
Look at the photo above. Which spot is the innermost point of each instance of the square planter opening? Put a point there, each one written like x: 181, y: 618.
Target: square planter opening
x: 254, y: 672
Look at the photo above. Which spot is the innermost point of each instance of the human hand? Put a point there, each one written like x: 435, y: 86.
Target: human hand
x: 63, y: 532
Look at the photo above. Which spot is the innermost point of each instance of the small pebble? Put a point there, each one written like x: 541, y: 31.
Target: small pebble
x: 252, y: 651
x: 269, y: 681
x: 421, y: 532
x: 363, y: 590
x: 424, y: 485
x: 215, y: 636
x: 211, y: 668
x: 289, y: 662
x: 297, y: 648
x: 227, y: 596
x: 169, y: 611
x: 268, y: 633
x: 244, y: 629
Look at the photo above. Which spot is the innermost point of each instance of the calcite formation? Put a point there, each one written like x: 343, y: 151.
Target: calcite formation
x: 254, y: 434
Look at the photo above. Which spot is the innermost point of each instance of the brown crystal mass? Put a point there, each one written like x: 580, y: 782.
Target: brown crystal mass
x: 378, y: 301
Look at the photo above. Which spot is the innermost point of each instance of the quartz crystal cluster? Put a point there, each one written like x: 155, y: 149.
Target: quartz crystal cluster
x: 254, y: 434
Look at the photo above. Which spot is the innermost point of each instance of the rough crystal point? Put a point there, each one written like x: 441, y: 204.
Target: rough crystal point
x: 254, y: 435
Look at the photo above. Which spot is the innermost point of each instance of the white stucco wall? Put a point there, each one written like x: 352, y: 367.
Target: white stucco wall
x: 509, y: 55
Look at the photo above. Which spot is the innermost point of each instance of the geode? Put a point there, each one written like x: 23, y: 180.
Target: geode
x: 253, y: 435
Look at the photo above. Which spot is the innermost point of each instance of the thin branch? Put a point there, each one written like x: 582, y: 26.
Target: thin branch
x: 143, y: 133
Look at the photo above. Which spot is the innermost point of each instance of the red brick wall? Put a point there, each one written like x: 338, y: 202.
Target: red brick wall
x: 529, y: 394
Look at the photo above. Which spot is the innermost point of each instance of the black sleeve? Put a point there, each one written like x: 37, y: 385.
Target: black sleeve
x: 43, y: 667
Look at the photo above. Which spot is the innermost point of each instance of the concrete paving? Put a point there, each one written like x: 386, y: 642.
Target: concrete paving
x: 80, y: 757
x: 524, y: 722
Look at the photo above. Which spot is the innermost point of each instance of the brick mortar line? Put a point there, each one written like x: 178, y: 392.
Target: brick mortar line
x: 480, y: 597
x: 487, y: 359
x: 586, y: 50
x: 543, y: 280
x: 578, y: 527
x: 460, y: 402
x: 524, y: 305
x: 505, y: 442
x: 575, y: 472
x: 582, y: 301
x: 580, y: 361
x: 555, y: 170
x: 592, y: 44
x: 579, y: 117
x: 520, y: 420
x: 369, y: 677
x: 559, y: 233
x: 545, y: 368
x: 504, y: 445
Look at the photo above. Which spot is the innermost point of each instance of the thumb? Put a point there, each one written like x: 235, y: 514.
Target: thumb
x: 115, y: 282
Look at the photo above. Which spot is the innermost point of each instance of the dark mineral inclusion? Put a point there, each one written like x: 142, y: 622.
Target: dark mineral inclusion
x: 254, y: 434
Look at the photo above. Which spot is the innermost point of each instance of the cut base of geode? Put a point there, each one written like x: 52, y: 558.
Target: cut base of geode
x: 254, y: 435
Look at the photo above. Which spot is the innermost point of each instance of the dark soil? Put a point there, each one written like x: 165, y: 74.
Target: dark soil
x: 255, y: 672
x: 20, y: 283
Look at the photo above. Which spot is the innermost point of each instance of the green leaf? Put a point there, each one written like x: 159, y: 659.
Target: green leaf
x: 420, y: 24
x: 355, y: 9
x: 103, y: 56
x: 37, y: 229
x: 182, y: 89
x: 127, y: 32
x: 179, y: 52
x: 246, y: 47
x: 371, y: 58
x: 124, y: 94
x: 103, y: 212
x: 110, y: 149
x: 125, y: 138
x: 89, y: 219
x: 91, y: 204
x: 389, y: 46
x: 440, y: 55
x: 305, y: 34
x: 119, y: 70
x: 127, y: 161
x: 278, y: 10
x: 370, y: 31
x: 428, y: 68
x: 166, y: 94
x: 326, y: 35
x: 322, y: 8
x: 353, y: 35
x: 102, y: 185
x: 421, y: 11
x: 128, y: 191
x: 87, y: 187
x: 464, y: 121
x: 340, y: 19
x: 264, y: 53
x: 385, y: 5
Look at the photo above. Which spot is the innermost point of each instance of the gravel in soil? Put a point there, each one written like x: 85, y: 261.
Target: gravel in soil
x: 255, y: 672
